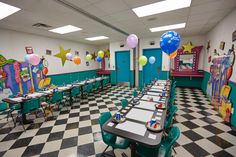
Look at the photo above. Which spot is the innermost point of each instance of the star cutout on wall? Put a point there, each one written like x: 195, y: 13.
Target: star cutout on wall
x: 62, y: 54
x: 188, y: 47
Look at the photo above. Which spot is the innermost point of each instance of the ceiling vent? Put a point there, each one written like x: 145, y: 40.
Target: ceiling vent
x: 42, y: 26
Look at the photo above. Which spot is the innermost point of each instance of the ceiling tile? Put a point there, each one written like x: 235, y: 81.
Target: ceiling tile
x: 111, y: 6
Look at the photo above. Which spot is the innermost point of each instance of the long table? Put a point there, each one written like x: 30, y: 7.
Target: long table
x: 69, y: 87
x: 134, y: 127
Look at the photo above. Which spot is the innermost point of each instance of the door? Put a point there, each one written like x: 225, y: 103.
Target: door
x: 152, y: 71
x: 123, y: 66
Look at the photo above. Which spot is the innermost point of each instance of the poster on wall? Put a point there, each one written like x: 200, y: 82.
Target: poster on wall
x: 29, y: 50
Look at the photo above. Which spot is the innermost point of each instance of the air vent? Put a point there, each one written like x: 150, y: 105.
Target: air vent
x: 152, y: 19
x: 41, y: 25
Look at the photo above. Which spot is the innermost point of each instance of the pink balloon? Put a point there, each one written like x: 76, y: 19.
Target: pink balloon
x: 34, y: 59
x: 132, y: 41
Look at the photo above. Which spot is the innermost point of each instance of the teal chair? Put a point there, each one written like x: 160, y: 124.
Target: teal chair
x: 4, y: 107
x: 124, y: 103
x: 170, y: 117
x: 165, y: 148
x: 58, y: 99
x: 97, y: 85
x: 108, y: 138
x: 29, y: 106
x: 88, y: 88
x: 13, y: 107
x: 134, y: 93
x: 75, y: 92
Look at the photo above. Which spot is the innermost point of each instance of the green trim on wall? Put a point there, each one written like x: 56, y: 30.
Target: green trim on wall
x: 205, y: 81
x: 162, y: 76
x: 233, y: 100
x: 114, y: 80
x: 113, y: 77
x: 194, y: 82
x: 67, y: 78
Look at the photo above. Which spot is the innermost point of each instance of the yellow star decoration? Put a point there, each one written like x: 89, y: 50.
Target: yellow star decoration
x: 188, y: 47
x: 62, y: 54
x: 107, y: 53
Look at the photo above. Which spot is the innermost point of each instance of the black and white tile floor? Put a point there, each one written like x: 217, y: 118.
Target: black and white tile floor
x: 76, y: 132
x: 203, y: 132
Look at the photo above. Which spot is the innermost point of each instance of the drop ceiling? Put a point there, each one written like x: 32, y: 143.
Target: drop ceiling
x: 200, y: 17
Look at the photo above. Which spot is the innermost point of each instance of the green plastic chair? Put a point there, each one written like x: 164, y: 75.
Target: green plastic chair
x: 164, y: 149
x: 75, y: 92
x: 134, y: 93
x: 88, y: 88
x: 169, y: 119
x: 97, y: 85
x: 58, y: 99
x: 108, y: 138
x: 3, y: 106
x: 124, y: 103
x: 29, y: 106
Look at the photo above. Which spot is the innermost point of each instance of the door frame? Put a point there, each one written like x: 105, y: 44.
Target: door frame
x: 116, y: 52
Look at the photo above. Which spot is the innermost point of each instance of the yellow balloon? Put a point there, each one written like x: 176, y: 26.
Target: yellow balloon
x: 101, y: 54
x: 143, y: 60
x: 88, y: 57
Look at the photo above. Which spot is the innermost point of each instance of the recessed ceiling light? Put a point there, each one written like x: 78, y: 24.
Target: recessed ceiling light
x: 161, y: 7
x: 7, y: 10
x: 96, y: 38
x: 65, y: 29
x: 168, y: 27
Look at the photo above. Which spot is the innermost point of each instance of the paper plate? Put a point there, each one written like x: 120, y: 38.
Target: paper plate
x: 157, y: 129
x: 160, y: 106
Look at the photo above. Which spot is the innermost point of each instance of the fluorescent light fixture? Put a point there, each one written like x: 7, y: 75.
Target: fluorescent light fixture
x: 161, y: 7
x: 65, y: 29
x: 96, y: 38
x: 7, y: 10
x: 168, y: 27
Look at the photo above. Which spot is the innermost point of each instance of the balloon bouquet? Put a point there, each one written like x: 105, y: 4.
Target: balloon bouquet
x: 170, y: 42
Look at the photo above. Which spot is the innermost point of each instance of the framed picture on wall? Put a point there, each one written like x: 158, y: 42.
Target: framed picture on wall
x: 77, y: 53
x: 48, y: 52
x: 222, y: 45
x: 29, y: 50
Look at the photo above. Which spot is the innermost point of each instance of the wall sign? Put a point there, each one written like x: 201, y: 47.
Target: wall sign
x: 29, y: 50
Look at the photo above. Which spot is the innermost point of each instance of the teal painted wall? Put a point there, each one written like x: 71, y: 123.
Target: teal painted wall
x: 163, y: 76
x: 205, y: 81
x: 194, y: 82
x: 67, y: 78
x: 231, y: 96
x: 114, y: 81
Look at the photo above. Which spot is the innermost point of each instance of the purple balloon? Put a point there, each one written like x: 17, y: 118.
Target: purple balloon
x: 132, y: 41
x: 69, y: 56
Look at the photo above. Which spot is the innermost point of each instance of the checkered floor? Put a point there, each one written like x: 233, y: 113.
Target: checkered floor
x: 203, y: 132
x: 76, y: 132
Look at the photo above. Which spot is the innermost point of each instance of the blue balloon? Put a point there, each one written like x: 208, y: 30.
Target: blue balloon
x: 170, y: 42
x: 99, y: 59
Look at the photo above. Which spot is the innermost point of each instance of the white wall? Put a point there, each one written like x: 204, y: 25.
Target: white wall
x: 12, y: 46
x: 115, y: 46
x: 222, y: 32
x: 145, y: 44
